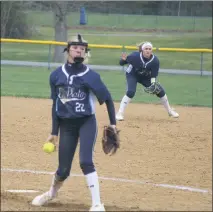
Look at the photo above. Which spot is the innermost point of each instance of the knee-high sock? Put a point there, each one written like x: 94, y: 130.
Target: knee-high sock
x: 124, y: 102
x: 55, y: 186
x: 93, y: 184
x: 165, y: 103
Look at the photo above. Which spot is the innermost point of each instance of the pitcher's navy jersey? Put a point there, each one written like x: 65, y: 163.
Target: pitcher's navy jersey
x: 75, y: 92
x: 141, y: 66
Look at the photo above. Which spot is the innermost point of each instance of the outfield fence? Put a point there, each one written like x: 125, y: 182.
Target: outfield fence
x: 122, y: 47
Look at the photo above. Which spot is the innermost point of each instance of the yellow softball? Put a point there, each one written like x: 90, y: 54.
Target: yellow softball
x: 48, y: 147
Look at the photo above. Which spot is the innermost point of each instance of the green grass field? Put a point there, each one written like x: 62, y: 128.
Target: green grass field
x: 168, y: 60
x: 126, y: 21
x: 181, y: 90
x: 173, y: 60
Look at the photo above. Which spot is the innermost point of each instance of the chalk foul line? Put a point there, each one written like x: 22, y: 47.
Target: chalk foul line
x: 21, y: 191
x: 177, y: 187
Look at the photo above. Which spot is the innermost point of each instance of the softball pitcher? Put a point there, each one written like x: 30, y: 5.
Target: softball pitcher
x: 74, y: 88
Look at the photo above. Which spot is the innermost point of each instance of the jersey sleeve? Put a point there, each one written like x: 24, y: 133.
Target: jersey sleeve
x: 123, y: 62
x: 111, y: 111
x: 130, y: 57
x: 55, y: 121
x: 155, y: 68
x: 53, y: 96
x: 97, y: 86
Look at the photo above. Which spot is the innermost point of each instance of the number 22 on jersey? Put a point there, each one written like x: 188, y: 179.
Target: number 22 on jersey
x: 79, y: 107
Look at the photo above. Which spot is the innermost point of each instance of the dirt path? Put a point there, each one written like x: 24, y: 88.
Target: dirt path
x: 154, y: 148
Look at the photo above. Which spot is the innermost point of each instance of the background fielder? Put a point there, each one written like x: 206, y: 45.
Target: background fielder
x: 143, y: 68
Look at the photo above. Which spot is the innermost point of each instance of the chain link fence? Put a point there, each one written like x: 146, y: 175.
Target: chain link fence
x: 124, y: 22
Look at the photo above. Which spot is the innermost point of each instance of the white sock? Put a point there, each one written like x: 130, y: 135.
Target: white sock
x: 93, y: 184
x: 55, y: 186
x: 124, y: 102
x: 165, y: 102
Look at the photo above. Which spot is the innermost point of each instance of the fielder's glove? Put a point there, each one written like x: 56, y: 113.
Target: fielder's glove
x: 110, y: 140
x: 154, y: 88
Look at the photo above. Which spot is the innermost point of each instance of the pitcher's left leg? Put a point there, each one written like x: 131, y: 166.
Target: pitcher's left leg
x: 88, y: 134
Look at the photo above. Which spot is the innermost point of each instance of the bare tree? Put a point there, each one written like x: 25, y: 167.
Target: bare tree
x: 6, y: 8
x: 13, y: 20
x: 60, y: 10
x: 60, y: 20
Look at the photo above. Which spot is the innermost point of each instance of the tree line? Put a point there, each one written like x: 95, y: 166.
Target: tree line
x: 164, y: 8
x: 14, y: 22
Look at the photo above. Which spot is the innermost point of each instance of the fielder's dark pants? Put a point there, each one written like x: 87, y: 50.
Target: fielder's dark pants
x: 70, y: 131
x: 132, y: 81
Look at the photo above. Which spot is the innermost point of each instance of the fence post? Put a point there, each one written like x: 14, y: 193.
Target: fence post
x: 156, y: 19
x: 49, y: 56
x: 123, y: 51
x: 201, y: 64
x: 194, y: 24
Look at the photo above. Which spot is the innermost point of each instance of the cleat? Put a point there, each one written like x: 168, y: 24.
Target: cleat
x: 173, y: 113
x: 42, y: 199
x: 119, y: 116
x: 99, y: 207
